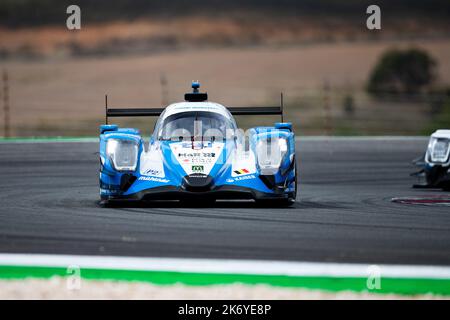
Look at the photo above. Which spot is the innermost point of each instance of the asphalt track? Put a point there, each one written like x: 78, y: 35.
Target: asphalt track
x: 49, y: 204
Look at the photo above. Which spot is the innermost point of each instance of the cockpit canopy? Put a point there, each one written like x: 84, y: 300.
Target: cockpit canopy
x: 195, y: 125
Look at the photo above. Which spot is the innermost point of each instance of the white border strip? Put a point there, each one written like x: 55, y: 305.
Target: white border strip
x: 225, y: 266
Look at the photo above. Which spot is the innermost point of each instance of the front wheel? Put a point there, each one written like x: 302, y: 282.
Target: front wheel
x: 286, y: 202
x: 293, y: 195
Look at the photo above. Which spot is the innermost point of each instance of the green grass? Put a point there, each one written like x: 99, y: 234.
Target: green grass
x: 401, y: 286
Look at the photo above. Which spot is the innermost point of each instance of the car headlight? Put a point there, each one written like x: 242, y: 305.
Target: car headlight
x: 270, y: 152
x: 438, y: 150
x: 123, y: 154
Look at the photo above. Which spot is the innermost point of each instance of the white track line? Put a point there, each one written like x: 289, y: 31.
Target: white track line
x: 225, y: 266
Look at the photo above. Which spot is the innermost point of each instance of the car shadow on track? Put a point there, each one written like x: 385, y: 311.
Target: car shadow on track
x: 198, y: 204
x: 249, y: 204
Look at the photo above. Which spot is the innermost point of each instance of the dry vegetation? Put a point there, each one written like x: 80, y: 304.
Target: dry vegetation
x: 56, y: 288
x: 66, y: 96
x: 59, y: 78
x: 155, y: 35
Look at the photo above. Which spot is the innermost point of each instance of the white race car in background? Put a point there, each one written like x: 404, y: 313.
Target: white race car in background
x: 435, y: 163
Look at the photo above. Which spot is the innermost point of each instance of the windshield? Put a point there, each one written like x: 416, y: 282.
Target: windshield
x: 196, y: 125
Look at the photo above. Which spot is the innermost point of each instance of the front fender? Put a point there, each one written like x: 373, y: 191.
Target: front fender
x: 112, y: 181
x: 271, y: 134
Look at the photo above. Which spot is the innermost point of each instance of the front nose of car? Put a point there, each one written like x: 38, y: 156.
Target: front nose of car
x: 197, y: 182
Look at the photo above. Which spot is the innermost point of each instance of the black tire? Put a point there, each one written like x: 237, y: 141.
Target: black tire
x: 293, y: 196
x: 276, y: 203
x: 104, y: 203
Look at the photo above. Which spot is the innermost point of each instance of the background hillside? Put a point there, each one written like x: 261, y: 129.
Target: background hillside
x: 145, y: 53
x: 44, y: 12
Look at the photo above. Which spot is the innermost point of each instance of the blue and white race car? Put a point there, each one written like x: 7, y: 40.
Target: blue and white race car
x: 197, y: 152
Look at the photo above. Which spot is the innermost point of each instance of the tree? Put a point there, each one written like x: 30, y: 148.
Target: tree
x: 402, y: 72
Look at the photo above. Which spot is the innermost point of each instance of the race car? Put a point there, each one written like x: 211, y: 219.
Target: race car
x: 435, y: 163
x: 197, y: 154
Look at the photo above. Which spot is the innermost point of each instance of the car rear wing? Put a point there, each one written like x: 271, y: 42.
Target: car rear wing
x: 155, y: 112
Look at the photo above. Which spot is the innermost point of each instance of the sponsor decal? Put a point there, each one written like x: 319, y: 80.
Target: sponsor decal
x: 247, y: 177
x: 204, y: 144
x: 197, y: 157
x: 197, y: 169
x: 209, y: 154
x: 152, y: 172
x: 197, y: 154
x: 241, y: 171
x: 154, y: 179
x: 192, y: 160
